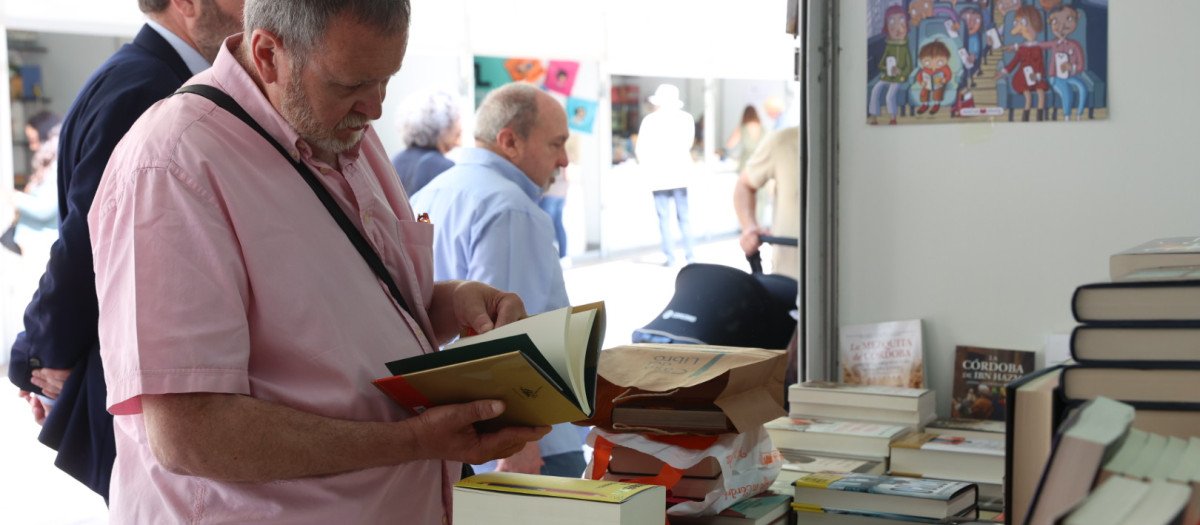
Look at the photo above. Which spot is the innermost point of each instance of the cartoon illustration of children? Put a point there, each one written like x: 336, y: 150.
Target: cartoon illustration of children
x: 933, y: 76
x: 919, y: 10
x: 973, y: 19
x: 1067, y: 60
x: 1027, y: 65
x: 1005, y: 7
x: 895, y: 65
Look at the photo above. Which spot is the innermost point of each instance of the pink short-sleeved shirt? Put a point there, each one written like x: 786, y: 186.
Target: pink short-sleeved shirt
x: 218, y: 270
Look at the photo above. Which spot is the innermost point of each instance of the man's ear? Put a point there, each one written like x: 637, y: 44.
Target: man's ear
x: 508, y: 143
x: 187, y: 7
x: 265, y: 51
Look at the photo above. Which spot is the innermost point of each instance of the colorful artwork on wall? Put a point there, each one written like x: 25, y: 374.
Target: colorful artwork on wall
x: 986, y: 60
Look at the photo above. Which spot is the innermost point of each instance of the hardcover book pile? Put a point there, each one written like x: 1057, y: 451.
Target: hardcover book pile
x: 1138, y: 337
x: 1132, y: 394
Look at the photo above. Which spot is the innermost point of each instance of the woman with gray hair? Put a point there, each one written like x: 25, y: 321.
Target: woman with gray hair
x: 430, y: 126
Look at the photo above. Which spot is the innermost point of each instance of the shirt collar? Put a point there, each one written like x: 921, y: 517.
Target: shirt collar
x: 501, y: 165
x: 194, y: 60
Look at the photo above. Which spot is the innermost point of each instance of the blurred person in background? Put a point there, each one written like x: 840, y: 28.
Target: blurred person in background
x: 747, y: 135
x: 663, y: 150
x: 430, y: 126
x: 37, y: 202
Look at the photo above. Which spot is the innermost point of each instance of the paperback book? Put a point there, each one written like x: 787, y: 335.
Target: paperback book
x: 925, y: 498
x: 543, y: 367
x: 980, y: 375
x: 886, y: 354
x: 855, y: 438
x: 507, y: 498
x: 1158, y: 253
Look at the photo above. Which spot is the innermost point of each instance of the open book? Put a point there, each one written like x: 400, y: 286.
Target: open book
x: 543, y: 367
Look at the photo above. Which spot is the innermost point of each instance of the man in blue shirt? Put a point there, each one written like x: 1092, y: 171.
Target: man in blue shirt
x: 58, y: 354
x: 488, y: 227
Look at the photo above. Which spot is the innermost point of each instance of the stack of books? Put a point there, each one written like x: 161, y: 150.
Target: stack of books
x: 861, y: 499
x: 1138, y: 337
x: 846, y: 427
x: 1136, y: 344
x: 912, y: 408
x: 955, y: 458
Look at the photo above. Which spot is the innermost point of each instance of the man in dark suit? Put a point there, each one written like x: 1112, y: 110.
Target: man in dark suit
x: 57, y: 357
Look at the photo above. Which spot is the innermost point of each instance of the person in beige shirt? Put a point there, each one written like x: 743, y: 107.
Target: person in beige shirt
x: 777, y: 159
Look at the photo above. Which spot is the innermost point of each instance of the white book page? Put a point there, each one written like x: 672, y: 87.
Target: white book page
x: 548, y: 331
x: 579, y: 330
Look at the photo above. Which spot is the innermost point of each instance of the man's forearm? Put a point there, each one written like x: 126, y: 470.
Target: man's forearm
x: 237, y: 438
x: 744, y: 203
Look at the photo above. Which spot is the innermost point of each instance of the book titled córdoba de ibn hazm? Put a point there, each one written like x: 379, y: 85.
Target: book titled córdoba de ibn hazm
x: 980, y: 376
x: 543, y: 367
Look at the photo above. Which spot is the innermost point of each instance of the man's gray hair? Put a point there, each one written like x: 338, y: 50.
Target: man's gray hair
x: 425, y: 117
x: 512, y: 106
x: 301, y: 24
x: 153, y: 6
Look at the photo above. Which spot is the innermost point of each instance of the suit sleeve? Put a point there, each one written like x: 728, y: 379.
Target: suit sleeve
x: 60, y: 320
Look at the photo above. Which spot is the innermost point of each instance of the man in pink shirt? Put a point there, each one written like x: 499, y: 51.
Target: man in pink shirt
x: 240, y: 331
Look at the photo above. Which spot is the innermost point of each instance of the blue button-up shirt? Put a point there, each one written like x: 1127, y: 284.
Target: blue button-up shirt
x: 487, y: 227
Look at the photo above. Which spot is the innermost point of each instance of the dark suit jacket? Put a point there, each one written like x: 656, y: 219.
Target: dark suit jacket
x: 60, y: 322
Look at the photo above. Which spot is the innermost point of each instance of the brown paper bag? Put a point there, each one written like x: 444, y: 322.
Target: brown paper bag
x: 687, y: 389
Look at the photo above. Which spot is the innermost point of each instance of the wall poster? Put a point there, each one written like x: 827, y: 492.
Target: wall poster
x: 986, y: 60
x: 557, y: 77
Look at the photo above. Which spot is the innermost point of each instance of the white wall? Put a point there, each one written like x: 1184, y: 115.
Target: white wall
x: 984, y: 230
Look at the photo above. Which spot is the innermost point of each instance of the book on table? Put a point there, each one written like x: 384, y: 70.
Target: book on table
x: 1120, y: 500
x: 766, y: 508
x: 1085, y: 441
x: 543, y: 367
x: 905, y: 496
x: 1162, y: 301
x: 692, y: 488
x: 1187, y: 472
x: 1164, y: 252
x: 503, y: 498
x: 1155, y: 343
x: 980, y: 375
x: 969, y: 428
x: 948, y: 457
x: 1147, y: 387
x: 1131, y: 448
x: 625, y: 460
x: 812, y: 515
x: 1033, y: 407
x: 910, y: 407
x: 886, y: 354
x: 797, y: 464
x: 855, y: 438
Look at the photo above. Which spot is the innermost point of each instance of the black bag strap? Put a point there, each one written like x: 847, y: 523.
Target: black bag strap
x: 356, y: 238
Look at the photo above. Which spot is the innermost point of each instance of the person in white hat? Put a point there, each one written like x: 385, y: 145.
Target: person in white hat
x: 663, y: 152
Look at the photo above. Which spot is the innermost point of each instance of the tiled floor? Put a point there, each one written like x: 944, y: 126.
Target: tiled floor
x: 635, y: 288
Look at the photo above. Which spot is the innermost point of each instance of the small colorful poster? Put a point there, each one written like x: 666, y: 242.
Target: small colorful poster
x: 581, y: 114
x: 525, y: 69
x: 560, y: 76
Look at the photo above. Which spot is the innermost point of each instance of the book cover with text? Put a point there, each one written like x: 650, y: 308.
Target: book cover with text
x: 886, y: 354
x: 980, y: 378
